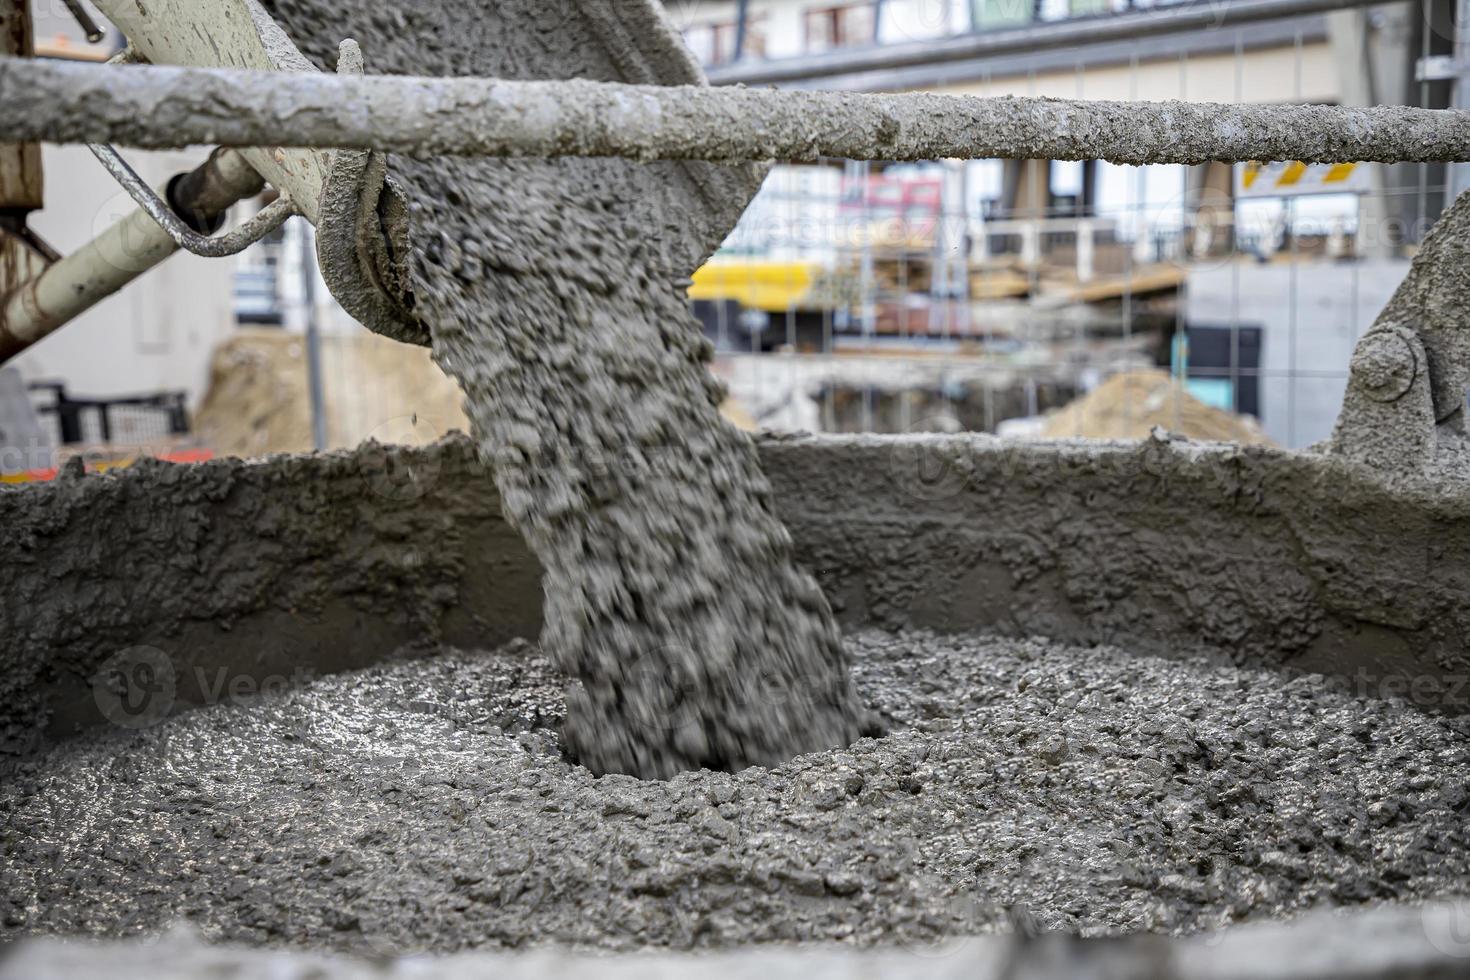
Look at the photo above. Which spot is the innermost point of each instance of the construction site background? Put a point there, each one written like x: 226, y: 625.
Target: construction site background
x: 854, y: 296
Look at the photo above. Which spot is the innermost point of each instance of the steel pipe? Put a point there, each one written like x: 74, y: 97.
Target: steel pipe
x: 82, y: 279
x: 160, y: 107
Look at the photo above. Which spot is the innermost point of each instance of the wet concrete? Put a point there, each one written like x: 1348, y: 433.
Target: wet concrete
x: 425, y: 805
x: 429, y: 803
x: 549, y: 289
x: 266, y: 569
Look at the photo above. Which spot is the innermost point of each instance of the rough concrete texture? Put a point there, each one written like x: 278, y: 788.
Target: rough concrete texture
x: 425, y: 806
x: 253, y: 569
x: 1390, y: 943
x: 170, y: 107
x: 323, y: 563
x: 1404, y: 409
x: 1160, y: 545
x: 549, y: 289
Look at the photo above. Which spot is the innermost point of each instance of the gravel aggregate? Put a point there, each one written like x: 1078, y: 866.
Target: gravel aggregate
x: 1024, y: 785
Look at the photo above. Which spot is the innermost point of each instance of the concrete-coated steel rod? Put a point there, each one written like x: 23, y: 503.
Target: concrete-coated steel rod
x: 162, y: 107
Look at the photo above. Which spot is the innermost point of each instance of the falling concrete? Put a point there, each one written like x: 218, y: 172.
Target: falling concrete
x: 549, y: 290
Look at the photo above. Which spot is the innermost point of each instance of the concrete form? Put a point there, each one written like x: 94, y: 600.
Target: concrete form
x: 336, y: 561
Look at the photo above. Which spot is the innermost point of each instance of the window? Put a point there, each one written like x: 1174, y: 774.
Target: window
x: 714, y: 43
x: 852, y: 25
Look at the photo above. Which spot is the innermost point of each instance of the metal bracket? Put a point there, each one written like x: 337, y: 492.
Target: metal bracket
x: 361, y: 219
x: 271, y: 217
x: 1387, y: 419
x: 363, y: 237
x: 267, y: 220
x: 41, y: 300
x: 1404, y: 410
x: 84, y: 20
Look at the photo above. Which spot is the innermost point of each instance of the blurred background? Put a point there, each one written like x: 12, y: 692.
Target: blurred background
x: 1024, y: 298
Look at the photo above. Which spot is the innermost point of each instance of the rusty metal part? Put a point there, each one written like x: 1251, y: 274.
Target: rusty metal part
x: 23, y: 255
x: 20, y: 262
x: 75, y: 283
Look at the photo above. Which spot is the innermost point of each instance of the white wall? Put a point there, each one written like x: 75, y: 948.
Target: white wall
x: 783, y: 22
x: 1261, y: 75
x: 159, y: 331
x: 1311, y: 317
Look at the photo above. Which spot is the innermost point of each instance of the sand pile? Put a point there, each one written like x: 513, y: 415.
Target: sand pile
x: 1130, y: 404
x: 375, y: 388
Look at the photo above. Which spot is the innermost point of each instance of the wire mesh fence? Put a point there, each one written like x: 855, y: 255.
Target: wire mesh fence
x: 1218, y: 301
x: 980, y: 296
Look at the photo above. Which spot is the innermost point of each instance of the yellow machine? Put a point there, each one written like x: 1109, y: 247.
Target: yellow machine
x: 774, y: 287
